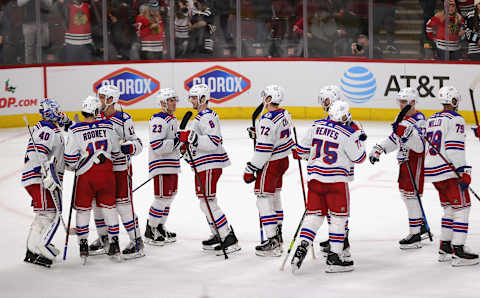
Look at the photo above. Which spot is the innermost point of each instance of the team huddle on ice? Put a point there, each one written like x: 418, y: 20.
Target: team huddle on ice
x: 99, y: 150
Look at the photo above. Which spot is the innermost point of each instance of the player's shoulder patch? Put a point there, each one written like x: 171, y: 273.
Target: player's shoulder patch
x: 47, y: 124
x: 165, y: 116
x: 207, y: 112
x: 274, y: 116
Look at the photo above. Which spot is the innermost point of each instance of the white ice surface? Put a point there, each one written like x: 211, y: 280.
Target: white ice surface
x: 378, y: 221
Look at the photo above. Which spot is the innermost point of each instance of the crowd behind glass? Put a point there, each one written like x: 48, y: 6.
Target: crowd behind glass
x: 64, y: 31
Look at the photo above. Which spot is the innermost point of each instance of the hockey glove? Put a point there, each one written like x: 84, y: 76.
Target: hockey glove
x: 404, y: 132
x: 127, y: 148
x: 50, y: 179
x: 251, y: 132
x: 249, y: 174
x: 295, y: 154
x: 476, y: 131
x: 374, y: 155
x: 64, y: 121
x: 357, y: 126
x: 189, y: 136
x: 465, y: 179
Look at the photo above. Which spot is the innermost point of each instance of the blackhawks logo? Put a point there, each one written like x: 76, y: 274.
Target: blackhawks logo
x: 80, y: 18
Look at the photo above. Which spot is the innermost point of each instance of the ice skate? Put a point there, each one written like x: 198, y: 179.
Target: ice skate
x: 230, y: 243
x: 37, y: 259
x: 99, y: 246
x: 424, y: 232
x: 445, y: 251
x: 153, y: 236
x: 114, y: 249
x: 84, y: 251
x: 325, y: 248
x: 412, y: 241
x: 337, y: 264
x: 169, y: 237
x: 299, y: 256
x: 462, y: 257
x: 131, y: 251
x: 269, y: 248
x: 279, y: 234
x: 211, y: 242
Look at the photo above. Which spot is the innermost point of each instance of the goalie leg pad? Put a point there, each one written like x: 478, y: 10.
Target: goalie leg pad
x: 42, y: 230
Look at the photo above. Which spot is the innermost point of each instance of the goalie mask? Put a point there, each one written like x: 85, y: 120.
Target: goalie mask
x: 49, y: 110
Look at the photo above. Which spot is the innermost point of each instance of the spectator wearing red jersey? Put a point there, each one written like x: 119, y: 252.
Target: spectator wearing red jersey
x: 150, y: 30
x: 448, y: 42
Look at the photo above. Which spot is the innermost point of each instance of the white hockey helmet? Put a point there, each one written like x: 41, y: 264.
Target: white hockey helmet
x: 339, y: 111
x: 336, y: 90
x: 91, y: 105
x: 166, y: 93
x: 409, y: 94
x: 200, y: 90
x: 446, y: 94
x: 110, y: 91
x: 276, y: 92
x: 327, y: 93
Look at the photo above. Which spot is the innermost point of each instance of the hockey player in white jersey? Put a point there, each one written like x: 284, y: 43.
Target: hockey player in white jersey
x: 47, y: 144
x: 446, y: 131
x: 267, y: 167
x: 130, y: 145
x: 409, y: 143
x: 209, y: 158
x: 331, y: 148
x: 92, y: 146
x: 163, y: 166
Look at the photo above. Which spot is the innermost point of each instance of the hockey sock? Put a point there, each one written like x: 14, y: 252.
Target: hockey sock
x: 336, y: 233
x: 310, y: 226
x: 277, y: 207
x: 111, y: 219
x: 155, y: 213
x: 125, y: 212
x: 460, y: 226
x: 218, y: 215
x: 328, y: 219
x: 415, y: 218
x: 99, y: 220
x: 268, y: 217
x: 83, y: 220
x: 447, y: 223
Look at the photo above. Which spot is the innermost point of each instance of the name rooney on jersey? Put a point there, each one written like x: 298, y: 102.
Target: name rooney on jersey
x: 98, y: 133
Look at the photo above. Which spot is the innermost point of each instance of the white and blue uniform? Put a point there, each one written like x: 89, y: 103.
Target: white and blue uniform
x: 163, y: 152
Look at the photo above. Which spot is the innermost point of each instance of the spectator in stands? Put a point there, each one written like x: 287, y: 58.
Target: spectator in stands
x: 30, y: 28
x: 78, y: 36
x: 428, y: 7
x: 202, y: 30
x: 360, y: 48
x: 150, y: 30
x: 349, y: 26
x: 182, y: 27
x: 384, y: 18
x: 223, y: 9
x: 472, y: 32
x: 281, y: 11
x: 263, y: 15
x: 464, y: 7
x: 1, y: 34
x: 448, y: 43
x: 122, y: 30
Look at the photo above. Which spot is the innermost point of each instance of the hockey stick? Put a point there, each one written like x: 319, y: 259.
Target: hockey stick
x: 202, y: 187
x: 445, y: 160
x: 129, y: 184
x: 473, y: 105
x: 145, y: 182
x: 399, y: 119
x: 70, y: 214
x: 56, y: 201
x: 255, y: 115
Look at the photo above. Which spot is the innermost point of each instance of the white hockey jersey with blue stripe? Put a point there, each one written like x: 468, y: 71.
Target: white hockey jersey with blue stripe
x: 446, y: 130
x: 209, y: 154
x: 274, y: 137
x: 86, y: 141
x: 332, y: 150
x: 49, y: 142
x: 163, y: 152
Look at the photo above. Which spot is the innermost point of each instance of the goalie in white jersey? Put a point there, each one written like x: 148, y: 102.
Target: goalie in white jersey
x: 267, y: 167
x: 163, y: 166
x: 130, y: 145
x: 91, y: 149
x: 45, y: 188
x: 407, y: 140
x: 209, y: 158
x: 446, y: 131
x: 332, y: 148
